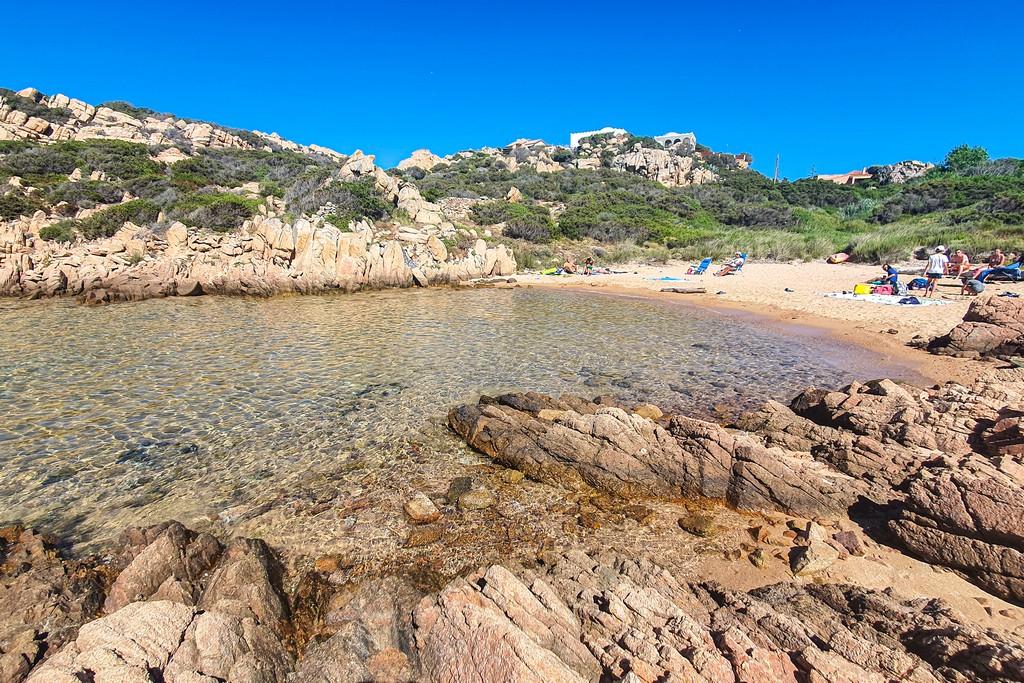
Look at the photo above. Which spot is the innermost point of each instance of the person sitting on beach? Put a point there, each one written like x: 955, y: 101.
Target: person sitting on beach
x: 732, y: 265
x: 1013, y: 270
x: 936, y: 268
x: 569, y: 266
x: 891, y: 277
x: 996, y: 259
x: 958, y: 263
x: 588, y: 266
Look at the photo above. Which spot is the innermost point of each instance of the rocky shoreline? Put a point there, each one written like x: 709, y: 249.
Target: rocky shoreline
x: 270, y: 254
x: 833, y: 475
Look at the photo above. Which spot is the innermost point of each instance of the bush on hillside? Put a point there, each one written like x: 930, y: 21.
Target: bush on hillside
x: 15, y: 204
x: 35, y: 109
x: 218, y: 211
x: 964, y: 157
x: 352, y: 200
x: 116, y: 158
x: 612, y: 216
x: 522, y: 221
x: 135, y: 112
x: 85, y: 194
x: 232, y: 167
x: 104, y: 223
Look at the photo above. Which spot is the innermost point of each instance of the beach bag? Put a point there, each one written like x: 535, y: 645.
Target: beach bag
x: 919, y: 283
x: 883, y: 289
x: 910, y: 300
x: 901, y: 289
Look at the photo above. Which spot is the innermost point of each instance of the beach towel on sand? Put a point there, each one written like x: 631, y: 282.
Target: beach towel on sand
x: 881, y: 299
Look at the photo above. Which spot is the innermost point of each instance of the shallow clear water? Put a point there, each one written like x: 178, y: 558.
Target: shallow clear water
x: 182, y: 408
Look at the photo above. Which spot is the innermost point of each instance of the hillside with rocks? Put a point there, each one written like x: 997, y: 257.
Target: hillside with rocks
x: 96, y: 198
x: 115, y: 202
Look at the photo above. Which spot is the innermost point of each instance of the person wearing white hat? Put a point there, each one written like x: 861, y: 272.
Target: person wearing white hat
x: 938, y: 263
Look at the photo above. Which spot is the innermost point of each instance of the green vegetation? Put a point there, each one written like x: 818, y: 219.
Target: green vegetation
x: 103, y: 223
x: 527, y: 222
x: 133, y: 111
x: 34, y: 109
x: 964, y: 157
x: 116, y: 158
x: 218, y: 211
x: 972, y: 202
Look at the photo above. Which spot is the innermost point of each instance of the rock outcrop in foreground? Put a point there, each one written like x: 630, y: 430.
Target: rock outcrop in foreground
x: 992, y: 326
x: 185, y: 610
x: 947, y: 462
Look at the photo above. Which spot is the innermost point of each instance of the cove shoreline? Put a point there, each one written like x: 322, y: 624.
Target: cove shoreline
x: 869, y: 331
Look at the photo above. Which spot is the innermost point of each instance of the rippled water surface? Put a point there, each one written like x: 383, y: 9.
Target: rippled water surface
x: 140, y: 412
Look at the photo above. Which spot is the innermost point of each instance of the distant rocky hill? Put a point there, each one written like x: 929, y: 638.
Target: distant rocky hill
x: 677, y: 165
x: 32, y: 116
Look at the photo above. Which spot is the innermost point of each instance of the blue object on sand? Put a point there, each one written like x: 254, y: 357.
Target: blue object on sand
x: 666, y: 279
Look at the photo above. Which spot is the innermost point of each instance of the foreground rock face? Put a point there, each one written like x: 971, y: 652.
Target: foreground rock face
x: 992, y: 326
x: 608, y: 618
x: 234, y: 631
x: 44, y: 600
x: 971, y: 519
x: 573, y: 442
x: 945, y: 465
x: 578, y: 617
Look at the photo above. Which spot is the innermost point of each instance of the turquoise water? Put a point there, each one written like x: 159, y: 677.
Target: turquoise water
x: 186, y: 408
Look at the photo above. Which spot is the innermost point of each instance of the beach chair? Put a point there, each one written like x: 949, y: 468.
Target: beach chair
x: 700, y: 267
x: 744, y: 257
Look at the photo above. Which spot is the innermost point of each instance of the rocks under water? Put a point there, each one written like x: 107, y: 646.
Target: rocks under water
x: 938, y: 470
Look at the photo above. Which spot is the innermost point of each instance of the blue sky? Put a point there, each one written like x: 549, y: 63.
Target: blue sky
x: 833, y: 85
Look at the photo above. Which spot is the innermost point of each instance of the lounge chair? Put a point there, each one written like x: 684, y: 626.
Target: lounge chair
x: 1011, y: 273
x: 744, y: 257
x: 700, y: 267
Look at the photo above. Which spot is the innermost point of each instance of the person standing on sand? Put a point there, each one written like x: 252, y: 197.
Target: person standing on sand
x: 936, y: 268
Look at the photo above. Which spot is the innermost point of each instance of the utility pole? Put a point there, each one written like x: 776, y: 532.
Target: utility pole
x: 776, y: 179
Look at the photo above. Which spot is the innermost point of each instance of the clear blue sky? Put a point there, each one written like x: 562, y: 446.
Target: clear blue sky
x: 836, y: 85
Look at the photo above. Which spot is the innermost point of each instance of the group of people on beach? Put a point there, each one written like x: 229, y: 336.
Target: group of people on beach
x: 588, y: 268
x: 959, y: 266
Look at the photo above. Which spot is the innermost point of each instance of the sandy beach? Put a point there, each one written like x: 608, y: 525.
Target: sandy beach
x: 760, y: 289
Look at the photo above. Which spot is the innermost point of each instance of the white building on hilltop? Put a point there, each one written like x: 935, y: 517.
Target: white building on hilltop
x: 574, y: 138
x: 669, y: 139
x: 666, y: 140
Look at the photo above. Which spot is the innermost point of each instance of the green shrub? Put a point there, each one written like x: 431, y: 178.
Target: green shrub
x: 964, y: 157
x: 116, y: 158
x: 218, y: 211
x: 522, y: 221
x: 84, y: 194
x: 135, y: 112
x: 15, y: 204
x: 33, y: 108
x: 58, y: 232
x: 106, y: 222
x: 612, y: 216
